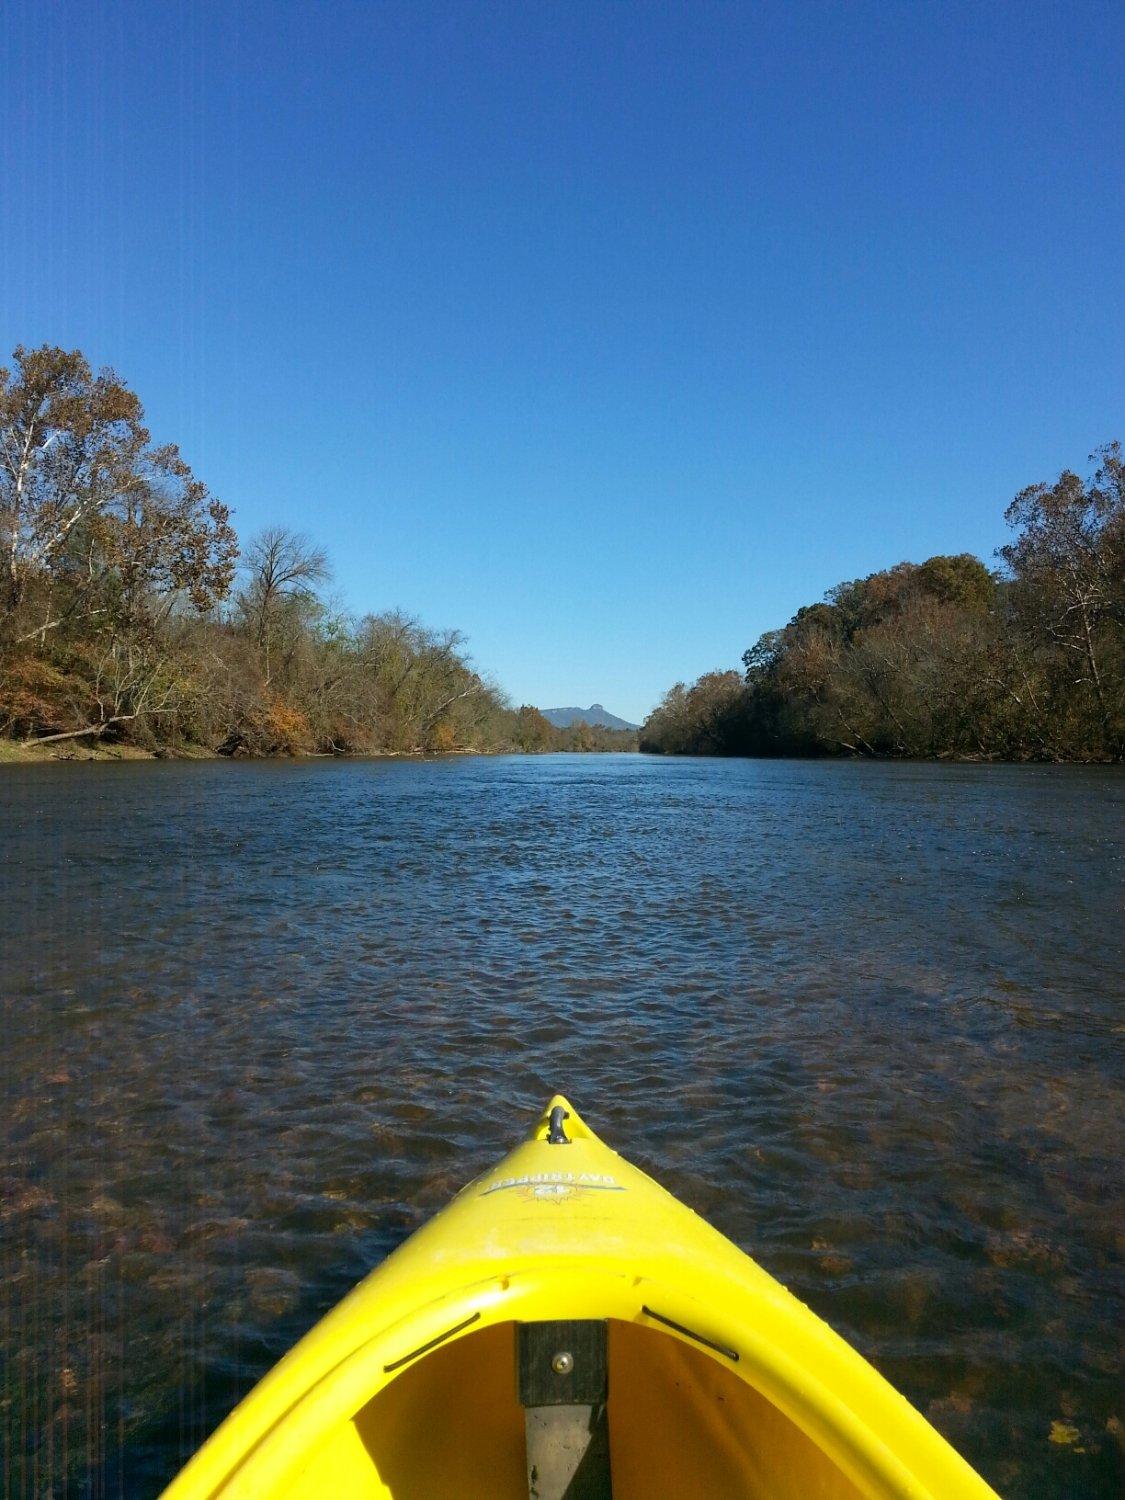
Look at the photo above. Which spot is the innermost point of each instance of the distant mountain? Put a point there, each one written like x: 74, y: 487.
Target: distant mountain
x: 563, y: 718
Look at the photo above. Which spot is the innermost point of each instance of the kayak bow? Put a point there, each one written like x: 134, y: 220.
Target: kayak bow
x: 566, y: 1328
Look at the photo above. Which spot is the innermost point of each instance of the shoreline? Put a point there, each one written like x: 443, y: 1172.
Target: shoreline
x: 17, y: 753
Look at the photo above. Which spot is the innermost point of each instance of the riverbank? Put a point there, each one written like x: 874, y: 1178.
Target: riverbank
x: 944, y: 659
x: 16, y: 752
x: 19, y: 752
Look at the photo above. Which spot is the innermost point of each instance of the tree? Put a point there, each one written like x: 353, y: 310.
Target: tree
x: 698, y: 720
x: 1068, y: 571
x: 104, y: 537
x: 533, y: 732
x: 283, y: 571
x: 962, y: 580
x: 944, y: 657
x: 70, y: 443
x: 91, y: 516
x: 114, y: 559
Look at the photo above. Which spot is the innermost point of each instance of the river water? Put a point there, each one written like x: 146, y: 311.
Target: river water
x: 262, y: 1019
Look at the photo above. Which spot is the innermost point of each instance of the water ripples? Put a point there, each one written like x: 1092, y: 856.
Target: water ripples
x: 264, y: 1019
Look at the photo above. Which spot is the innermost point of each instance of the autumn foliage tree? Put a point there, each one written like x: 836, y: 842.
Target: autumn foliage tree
x: 104, y: 536
x: 533, y: 732
x: 946, y: 657
x: 1067, y: 566
x: 125, y: 612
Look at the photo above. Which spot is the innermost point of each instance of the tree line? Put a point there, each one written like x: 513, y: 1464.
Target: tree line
x: 129, y: 611
x: 945, y: 658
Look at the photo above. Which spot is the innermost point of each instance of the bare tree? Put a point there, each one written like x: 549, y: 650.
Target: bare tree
x: 283, y: 568
x: 129, y: 684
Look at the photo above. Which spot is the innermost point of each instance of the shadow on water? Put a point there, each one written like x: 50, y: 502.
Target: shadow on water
x: 263, y: 1019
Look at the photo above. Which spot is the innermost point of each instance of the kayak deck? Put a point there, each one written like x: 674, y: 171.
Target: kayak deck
x: 566, y: 1328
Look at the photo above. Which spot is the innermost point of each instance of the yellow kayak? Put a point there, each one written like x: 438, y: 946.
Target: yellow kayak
x: 566, y: 1330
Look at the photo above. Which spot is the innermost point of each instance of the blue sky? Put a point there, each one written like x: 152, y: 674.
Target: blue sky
x: 610, y: 333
